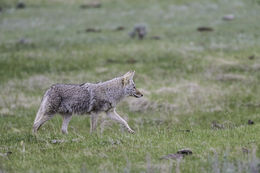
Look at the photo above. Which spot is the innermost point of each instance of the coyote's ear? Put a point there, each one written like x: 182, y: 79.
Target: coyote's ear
x: 132, y: 74
x: 129, y: 75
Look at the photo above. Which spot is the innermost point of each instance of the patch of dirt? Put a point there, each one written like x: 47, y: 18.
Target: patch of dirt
x: 155, y: 37
x: 250, y: 122
x: 205, y: 29
x: 120, y: 28
x: 251, y: 57
x: 93, y: 30
x: 185, y: 152
x: 20, y: 5
x: 112, y: 61
x: 91, y: 5
x: 179, y: 155
x: 131, y: 61
x: 128, y: 61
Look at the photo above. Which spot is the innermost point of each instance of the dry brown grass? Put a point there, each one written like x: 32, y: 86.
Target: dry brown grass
x: 187, y: 97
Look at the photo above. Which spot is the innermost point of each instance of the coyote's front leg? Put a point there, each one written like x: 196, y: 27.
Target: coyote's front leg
x: 114, y: 116
x: 93, y: 121
x: 65, y: 123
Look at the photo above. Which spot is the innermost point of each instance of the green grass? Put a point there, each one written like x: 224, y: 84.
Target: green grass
x: 189, y: 79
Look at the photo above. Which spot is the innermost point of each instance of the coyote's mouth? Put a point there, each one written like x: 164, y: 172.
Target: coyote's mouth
x: 138, y: 95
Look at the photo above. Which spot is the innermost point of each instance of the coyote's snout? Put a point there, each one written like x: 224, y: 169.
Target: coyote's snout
x: 138, y: 94
x: 87, y: 98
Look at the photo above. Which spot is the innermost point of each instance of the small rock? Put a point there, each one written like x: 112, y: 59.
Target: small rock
x: 229, y: 17
x: 205, y: 29
x: 8, y: 153
x: 184, y: 152
x: 120, y: 28
x: 215, y: 125
x: 93, y: 30
x: 57, y: 141
x: 140, y: 31
x: 155, y: 38
x: 187, y: 130
x: 112, y: 61
x: 91, y: 5
x: 115, y: 142
x: 250, y: 122
x: 172, y: 156
x: 23, y: 41
x: 20, y: 5
x: 251, y: 57
x: 131, y: 61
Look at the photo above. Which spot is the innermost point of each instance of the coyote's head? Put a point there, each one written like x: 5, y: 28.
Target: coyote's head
x: 129, y: 85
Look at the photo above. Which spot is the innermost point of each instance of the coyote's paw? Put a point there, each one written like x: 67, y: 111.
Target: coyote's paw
x: 65, y: 132
x: 131, y: 131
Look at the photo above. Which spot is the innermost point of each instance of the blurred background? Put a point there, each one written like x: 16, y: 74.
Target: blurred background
x: 196, y: 61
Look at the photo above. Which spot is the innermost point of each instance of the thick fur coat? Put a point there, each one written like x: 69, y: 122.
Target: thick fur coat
x: 87, y: 98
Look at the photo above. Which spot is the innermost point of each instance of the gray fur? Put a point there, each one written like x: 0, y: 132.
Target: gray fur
x: 87, y: 98
x: 140, y: 31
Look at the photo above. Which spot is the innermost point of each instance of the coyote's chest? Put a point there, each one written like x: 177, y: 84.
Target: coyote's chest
x: 100, y: 105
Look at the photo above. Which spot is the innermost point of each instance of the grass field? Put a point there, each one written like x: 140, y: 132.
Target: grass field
x: 200, y: 88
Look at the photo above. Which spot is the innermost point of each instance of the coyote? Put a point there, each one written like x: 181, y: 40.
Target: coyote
x: 86, y: 98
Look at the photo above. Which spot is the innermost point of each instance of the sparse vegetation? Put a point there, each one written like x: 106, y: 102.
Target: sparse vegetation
x: 201, y: 88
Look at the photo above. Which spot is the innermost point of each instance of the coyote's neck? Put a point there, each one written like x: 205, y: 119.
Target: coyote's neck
x: 113, y: 90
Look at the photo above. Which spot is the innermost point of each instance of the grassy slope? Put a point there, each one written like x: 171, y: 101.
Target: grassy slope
x: 189, y: 79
